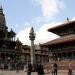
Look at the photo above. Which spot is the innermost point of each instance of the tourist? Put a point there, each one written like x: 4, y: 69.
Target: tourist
x: 29, y: 69
x: 40, y: 69
x: 55, y: 66
x: 52, y: 68
x: 17, y: 66
x: 70, y: 69
x: 2, y: 65
x: 25, y: 68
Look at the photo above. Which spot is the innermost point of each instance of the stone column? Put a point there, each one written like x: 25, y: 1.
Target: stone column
x: 32, y: 52
x: 32, y: 38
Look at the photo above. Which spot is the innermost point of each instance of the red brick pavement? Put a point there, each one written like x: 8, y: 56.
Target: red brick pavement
x: 61, y: 72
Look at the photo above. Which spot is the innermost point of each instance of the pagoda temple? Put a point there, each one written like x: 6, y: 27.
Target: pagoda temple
x: 62, y: 48
x: 8, y: 51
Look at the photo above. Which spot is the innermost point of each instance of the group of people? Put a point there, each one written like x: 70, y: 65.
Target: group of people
x: 39, y: 68
x: 55, y: 69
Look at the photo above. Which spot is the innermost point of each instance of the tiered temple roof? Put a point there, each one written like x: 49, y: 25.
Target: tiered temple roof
x: 63, y: 39
x: 64, y: 29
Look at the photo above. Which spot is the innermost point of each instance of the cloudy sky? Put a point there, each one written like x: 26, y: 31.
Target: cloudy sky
x: 21, y: 15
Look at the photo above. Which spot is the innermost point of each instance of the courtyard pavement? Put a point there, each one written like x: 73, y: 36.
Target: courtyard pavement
x: 33, y: 73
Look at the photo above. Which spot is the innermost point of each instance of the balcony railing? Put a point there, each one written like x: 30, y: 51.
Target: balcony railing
x: 68, y: 48
x: 2, y: 50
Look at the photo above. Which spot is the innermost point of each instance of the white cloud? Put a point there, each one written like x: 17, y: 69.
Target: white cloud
x: 27, y: 24
x: 50, y: 7
x: 36, y: 20
x: 15, y: 26
x: 42, y: 35
x: 23, y: 36
x: 73, y: 18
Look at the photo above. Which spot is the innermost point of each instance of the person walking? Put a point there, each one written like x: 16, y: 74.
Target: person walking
x: 52, y: 69
x: 40, y: 69
x: 17, y: 66
x: 70, y: 70
x: 55, y: 66
x: 29, y: 69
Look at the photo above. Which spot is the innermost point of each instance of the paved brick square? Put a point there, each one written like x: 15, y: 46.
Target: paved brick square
x: 33, y: 73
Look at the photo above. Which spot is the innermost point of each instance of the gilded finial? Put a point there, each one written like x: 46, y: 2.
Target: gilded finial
x: 32, y: 30
x: 67, y: 19
x: 1, y: 7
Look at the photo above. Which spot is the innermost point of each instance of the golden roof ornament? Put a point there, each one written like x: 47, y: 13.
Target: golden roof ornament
x: 32, y: 30
x: 0, y: 7
x: 67, y: 19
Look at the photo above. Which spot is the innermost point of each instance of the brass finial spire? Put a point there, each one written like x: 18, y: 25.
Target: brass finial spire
x: 32, y: 30
x: 67, y: 19
x: 1, y: 7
